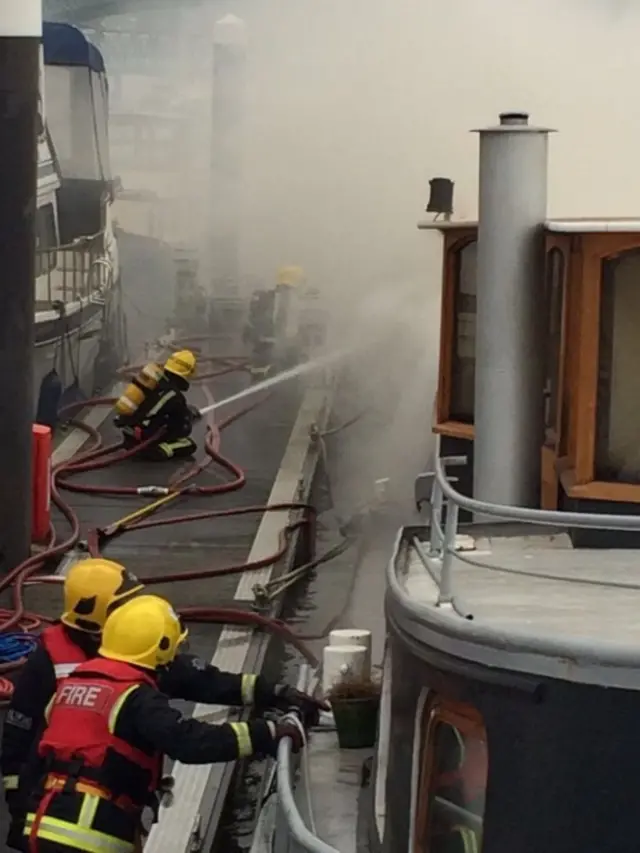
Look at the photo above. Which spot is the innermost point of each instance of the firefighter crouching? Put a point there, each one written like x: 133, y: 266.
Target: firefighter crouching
x: 109, y: 726
x: 92, y: 588
x: 155, y: 404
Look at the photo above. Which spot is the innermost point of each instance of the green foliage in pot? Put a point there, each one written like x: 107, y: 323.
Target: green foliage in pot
x: 352, y: 688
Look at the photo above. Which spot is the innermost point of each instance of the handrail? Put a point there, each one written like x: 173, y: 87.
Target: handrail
x: 72, y: 272
x: 289, y: 819
x: 552, y: 518
x: 296, y: 825
x: 442, y: 542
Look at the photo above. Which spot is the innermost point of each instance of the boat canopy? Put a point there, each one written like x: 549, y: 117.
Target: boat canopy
x: 76, y: 103
x: 67, y: 45
x: 76, y: 108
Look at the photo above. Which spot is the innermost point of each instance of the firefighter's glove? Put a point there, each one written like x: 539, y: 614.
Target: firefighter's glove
x: 195, y: 413
x: 286, y: 728
x: 287, y: 697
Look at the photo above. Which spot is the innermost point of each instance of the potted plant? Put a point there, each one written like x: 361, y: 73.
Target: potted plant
x: 355, y: 704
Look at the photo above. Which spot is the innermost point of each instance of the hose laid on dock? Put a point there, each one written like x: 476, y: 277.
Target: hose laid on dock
x: 16, y: 625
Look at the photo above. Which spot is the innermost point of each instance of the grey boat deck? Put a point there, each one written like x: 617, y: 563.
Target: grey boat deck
x: 541, y: 583
x: 335, y: 789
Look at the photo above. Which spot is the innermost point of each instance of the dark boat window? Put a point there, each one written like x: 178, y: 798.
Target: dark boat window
x: 617, y: 456
x: 46, y: 241
x: 554, y: 293
x: 453, y: 780
x: 464, y: 336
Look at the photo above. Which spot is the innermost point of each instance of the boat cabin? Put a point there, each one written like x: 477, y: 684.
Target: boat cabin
x: 76, y: 105
x: 590, y: 450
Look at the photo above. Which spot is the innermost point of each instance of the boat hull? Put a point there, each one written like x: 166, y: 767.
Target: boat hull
x: 71, y: 347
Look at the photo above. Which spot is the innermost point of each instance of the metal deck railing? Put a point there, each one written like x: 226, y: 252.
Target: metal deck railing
x: 442, y: 541
x: 72, y: 273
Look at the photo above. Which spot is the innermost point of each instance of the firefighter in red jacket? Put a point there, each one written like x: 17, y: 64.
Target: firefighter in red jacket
x: 93, y: 588
x: 109, y: 728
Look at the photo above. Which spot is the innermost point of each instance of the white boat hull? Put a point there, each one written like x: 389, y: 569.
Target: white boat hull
x: 73, y: 355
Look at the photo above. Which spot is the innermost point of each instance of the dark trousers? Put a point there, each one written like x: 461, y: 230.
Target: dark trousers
x: 177, y: 448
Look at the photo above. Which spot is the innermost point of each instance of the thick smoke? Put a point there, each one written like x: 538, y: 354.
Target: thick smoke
x: 352, y: 107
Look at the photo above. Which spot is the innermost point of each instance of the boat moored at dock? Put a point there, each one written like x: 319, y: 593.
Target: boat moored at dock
x: 77, y: 268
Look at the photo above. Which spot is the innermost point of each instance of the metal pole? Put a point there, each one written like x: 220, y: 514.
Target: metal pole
x: 435, y: 541
x: 229, y: 70
x: 445, y: 593
x: 20, y: 37
x: 510, y: 300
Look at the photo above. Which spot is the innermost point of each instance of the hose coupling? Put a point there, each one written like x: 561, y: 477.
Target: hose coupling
x: 153, y: 491
x: 261, y: 598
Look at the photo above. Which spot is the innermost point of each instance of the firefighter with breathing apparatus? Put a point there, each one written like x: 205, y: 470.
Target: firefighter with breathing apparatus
x: 154, y: 403
x: 100, y: 759
x: 93, y: 589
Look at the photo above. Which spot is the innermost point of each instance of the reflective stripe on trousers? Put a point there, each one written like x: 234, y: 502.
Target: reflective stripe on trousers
x: 78, y: 835
x: 169, y: 447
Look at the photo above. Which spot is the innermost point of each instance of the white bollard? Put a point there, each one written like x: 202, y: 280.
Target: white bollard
x: 340, y: 663
x: 354, y: 637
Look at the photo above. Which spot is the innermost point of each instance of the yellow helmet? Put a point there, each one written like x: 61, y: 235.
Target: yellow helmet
x: 92, y: 589
x: 175, y: 634
x: 181, y: 363
x: 135, y: 632
x: 290, y: 276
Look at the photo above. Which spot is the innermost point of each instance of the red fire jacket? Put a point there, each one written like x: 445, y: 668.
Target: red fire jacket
x: 80, y: 741
x: 64, y: 653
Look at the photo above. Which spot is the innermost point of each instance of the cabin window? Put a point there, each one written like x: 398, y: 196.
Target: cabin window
x: 46, y: 241
x: 617, y: 456
x: 453, y: 780
x: 463, y: 374
x: 554, y: 292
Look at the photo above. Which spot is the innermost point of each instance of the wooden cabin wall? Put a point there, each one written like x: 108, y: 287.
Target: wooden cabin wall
x: 568, y: 452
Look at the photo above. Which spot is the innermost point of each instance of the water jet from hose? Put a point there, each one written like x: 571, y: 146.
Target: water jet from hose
x: 285, y: 376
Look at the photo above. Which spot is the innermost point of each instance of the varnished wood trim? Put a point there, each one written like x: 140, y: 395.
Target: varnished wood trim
x: 586, y: 389
x: 468, y: 721
x: 548, y: 479
x: 598, y: 490
x: 569, y: 437
x: 455, y: 429
x: 447, y: 325
x: 611, y: 244
x: 596, y: 248
x: 455, y: 239
x: 563, y: 243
